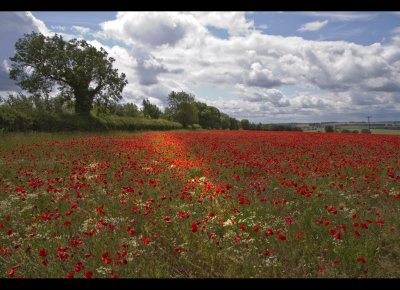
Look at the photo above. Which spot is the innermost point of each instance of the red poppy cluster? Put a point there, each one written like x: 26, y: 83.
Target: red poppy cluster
x: 103, y: 206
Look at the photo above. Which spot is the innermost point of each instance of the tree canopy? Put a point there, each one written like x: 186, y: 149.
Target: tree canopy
x: 150, y: 110
x: 78, y: 70
x: 182, y: 108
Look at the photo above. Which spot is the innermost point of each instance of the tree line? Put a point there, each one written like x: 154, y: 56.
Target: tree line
x: 72, y: 80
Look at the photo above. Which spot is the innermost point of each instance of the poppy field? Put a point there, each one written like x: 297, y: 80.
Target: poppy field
x: 208, y: 204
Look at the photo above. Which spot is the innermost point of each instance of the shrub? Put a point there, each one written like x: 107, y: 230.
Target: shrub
x: 329, y: 129
x: 365, y: 131
x: 12, y: 120
x: 196, y: 127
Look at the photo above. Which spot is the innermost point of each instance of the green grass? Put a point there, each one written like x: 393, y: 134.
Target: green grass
x: 385, y: 131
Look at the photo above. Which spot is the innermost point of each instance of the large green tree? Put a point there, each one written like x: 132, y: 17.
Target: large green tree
x: 75, y: 68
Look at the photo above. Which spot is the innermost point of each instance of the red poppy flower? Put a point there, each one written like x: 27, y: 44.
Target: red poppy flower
x: 236, y: 239
x: 100, y: 210
x: 42, y: 252
x: 88, y: 274
x: 267, y: 252
x: 361, y: 260
x: 11, y: 273
x: 336, y: 261
x: 289, y: 220
x: 79, y: 266
x: 282, y: 237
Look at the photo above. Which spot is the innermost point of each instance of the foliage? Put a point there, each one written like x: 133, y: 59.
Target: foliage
x: 196, y: 127
x: 175, y: 99
x: 150, y: 110
x: 182, y: 108
x: 186, y: 114
x: 225, y: 121
x: 75, y: 68
x: 245, y: 124
x: 209, y: 116
x: 234, y: 124
x: 12, y: 120
x: 329, y: 129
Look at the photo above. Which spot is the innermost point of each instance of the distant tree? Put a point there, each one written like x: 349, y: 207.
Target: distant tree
x: 225, y: 121
x: 234, y: 124
x: 366, y: 131
x: 355, y: 131
x: 245, y: 124
x: 252, y: 126
x: 168, y: 114
x: 77, y: 69
x: 329, y: 129
x: 209, y: 116
x: 346, y: 131
x: 25, y: 103
x: 126, y: 110
x: 175, y: 99
x: 150, y: 110
x: 187, y: 114
x: 131, y: 110
x: 182, y: 108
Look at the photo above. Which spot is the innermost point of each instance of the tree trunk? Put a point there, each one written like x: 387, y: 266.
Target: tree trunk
x: 83, y: 102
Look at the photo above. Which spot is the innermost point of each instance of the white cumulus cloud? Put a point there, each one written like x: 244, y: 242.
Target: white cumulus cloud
x: 313, y: 26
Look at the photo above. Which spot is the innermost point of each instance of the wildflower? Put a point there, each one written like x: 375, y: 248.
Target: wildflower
x: 267, y: 252
x: 42, y: 252
x: 282, y: 237
x: 88, y: 274
x: 236, y: 239
x: 289, y: 220
x: 361, y: 260
x: 177, y: 250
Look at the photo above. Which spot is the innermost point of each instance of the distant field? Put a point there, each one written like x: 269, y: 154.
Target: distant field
x: 385, y: 131
x: 374, y: 131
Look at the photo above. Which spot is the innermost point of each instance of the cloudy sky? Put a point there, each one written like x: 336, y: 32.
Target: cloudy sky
x: 262, y: 66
